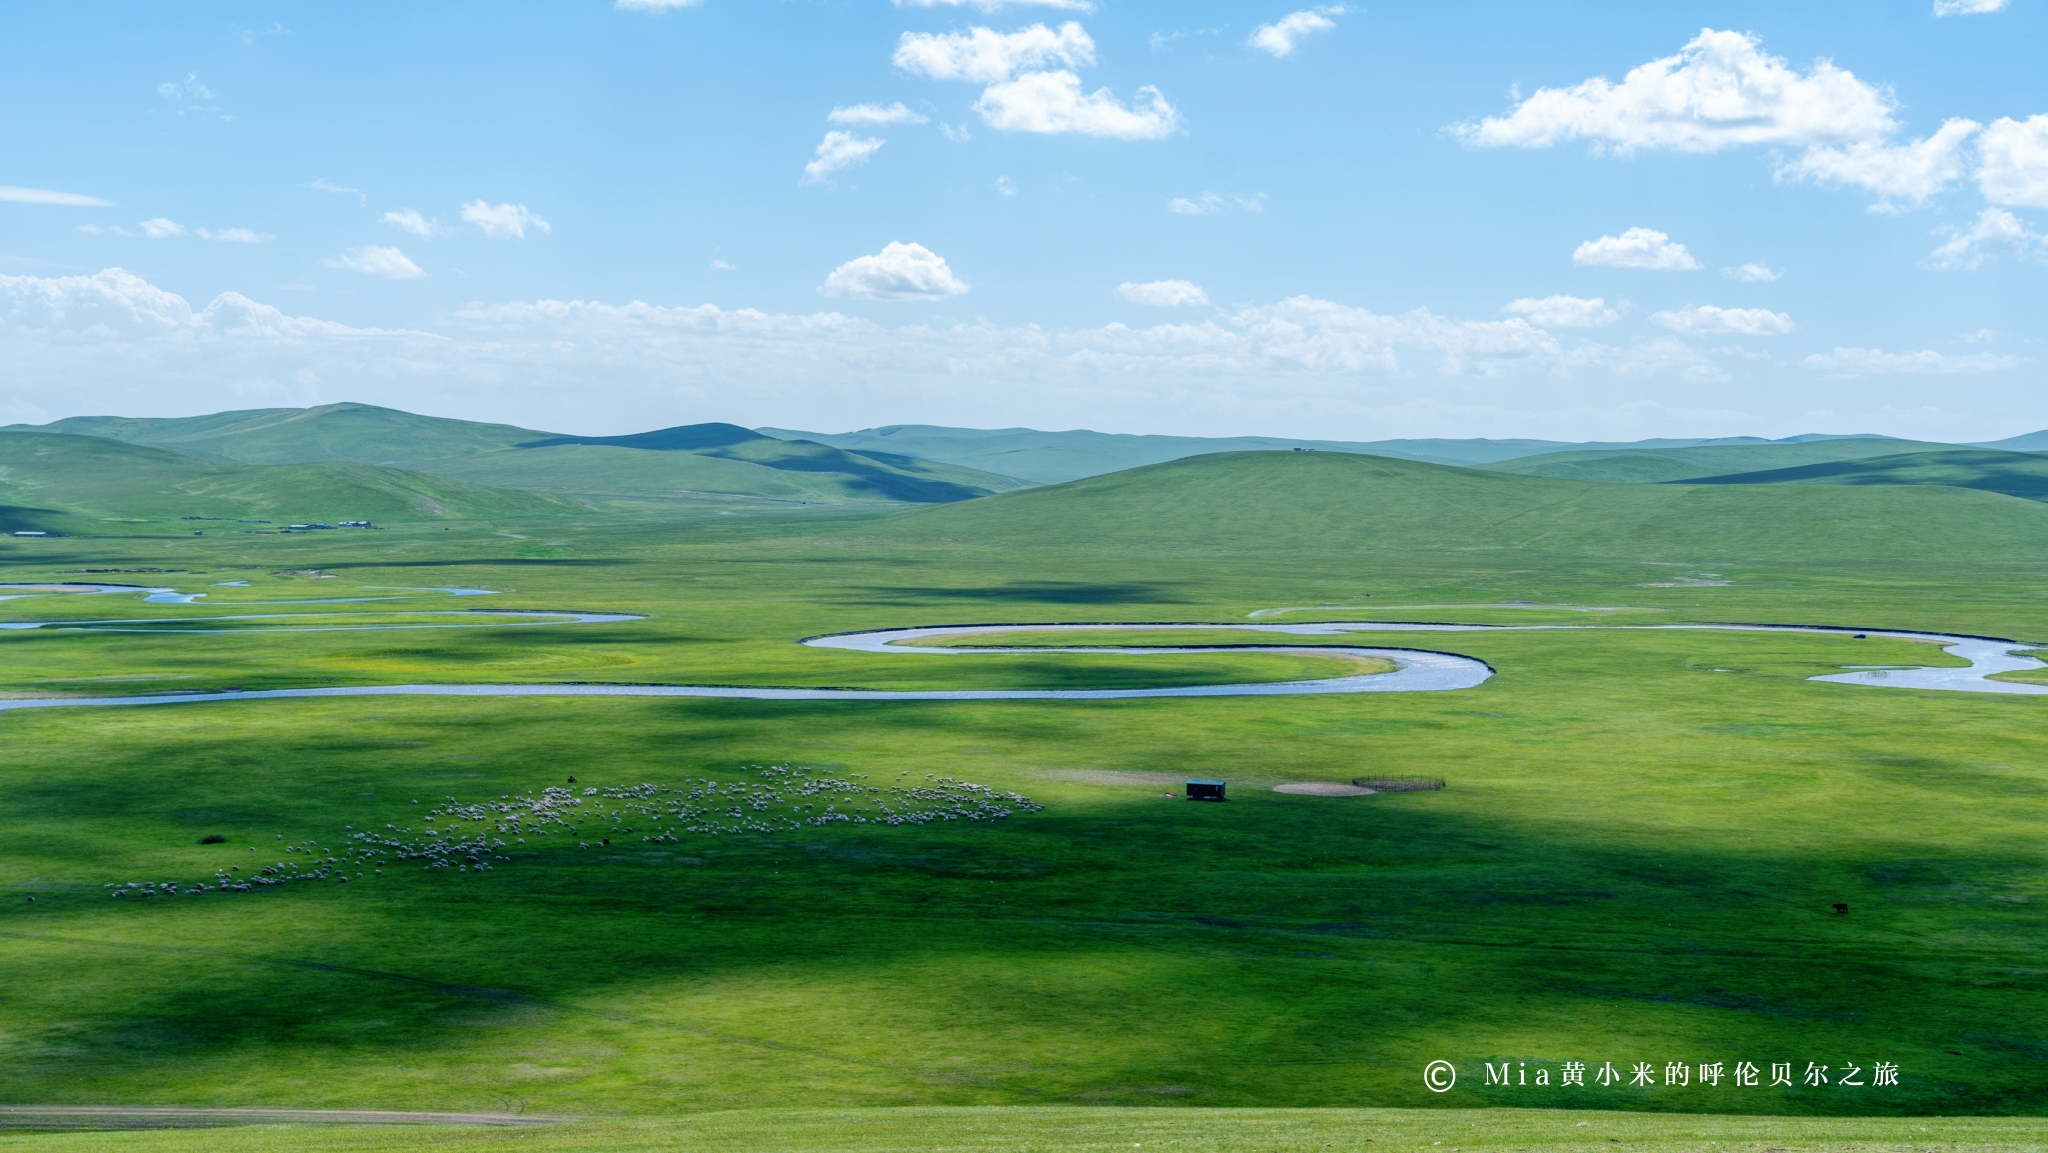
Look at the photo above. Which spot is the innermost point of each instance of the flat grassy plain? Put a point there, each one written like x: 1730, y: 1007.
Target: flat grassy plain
x: 1636, y: 860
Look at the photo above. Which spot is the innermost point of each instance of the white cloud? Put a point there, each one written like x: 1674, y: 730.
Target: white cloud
x: 1850, y: 362
x: 958, y: 135
x: 1896, y: 172
x: 1752, y: 273
x: 376, y: 261
x: 1719, y: 91
x: 655, y: 5
x: 1968, y: 7
x: 14, y: 195
x: 1281, y: 36
x: 1163, y: 293
x: 2013, y: 162
x: 1004, y: 187
x: 725, y: 266
x: 325, y: 185
x: 190, y: 88
x: 899, y: 272
x: 840, y: 150
x: 236, y: 235
x: 1993, y: 230
x: 1209, y: 204
x: 875, y: 114
x: 993, y: 5
x: 984, y: 56
x: 1052, y: 103
x: 410, y: 220
x: 1564, y: 311
x: 1636, y: 248
x: 161, y: 229
x: 1706, y: 320
x: 502, y: 221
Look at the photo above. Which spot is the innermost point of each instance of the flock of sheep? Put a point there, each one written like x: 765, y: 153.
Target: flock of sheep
x: 471, y: 837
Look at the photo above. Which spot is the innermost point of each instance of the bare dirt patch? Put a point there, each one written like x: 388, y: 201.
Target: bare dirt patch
x: 1114, y: 777
x: 1322, y: 789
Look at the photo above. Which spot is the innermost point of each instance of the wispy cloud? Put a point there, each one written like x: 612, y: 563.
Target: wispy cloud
x: 161, y: 229
x: 503, y: 221
x: 46, y: 196
x: 325, y: 185
x: 994, y: 5
x: 1283, y: 35
x: 1753, y: 273
x: 725, y: 266
x: 840, y: 150
x: 1710, y: 320
x: 236, y: 235
x: 875, y: 114
x: 1968, y: 7
x: 1564, y: 311
x: 1164, y: 293
x: 985, y: 56
x: 1852, y: 362
x: 1209, y: 204
x: 377, y: 261
x: 655, y: 5
x: 410, y: 220
x: 1995, y: 230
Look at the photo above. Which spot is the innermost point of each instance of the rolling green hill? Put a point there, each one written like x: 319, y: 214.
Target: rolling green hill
x: 1340, y: 502
x: 692, y: 460
x: 1659, y: 465
x: 2020, y: 474
x: 46, y: 475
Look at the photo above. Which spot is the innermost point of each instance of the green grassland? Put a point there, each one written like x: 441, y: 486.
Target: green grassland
x: 1653, y: 465
x: 1636, y: 858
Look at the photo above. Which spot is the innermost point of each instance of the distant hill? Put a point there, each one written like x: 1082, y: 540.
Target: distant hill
x: 1055, y: 457
x: 2029, y: 442
x: 1266, y: 503
x: 2020, y: 474
x: 1649, y: 464
x: 687, y: 462
x: 53, y: 474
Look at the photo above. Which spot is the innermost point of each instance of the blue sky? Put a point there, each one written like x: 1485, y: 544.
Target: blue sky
x: 1332, y: 220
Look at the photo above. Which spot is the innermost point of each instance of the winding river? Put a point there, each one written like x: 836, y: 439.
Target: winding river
x: 1416, y: 670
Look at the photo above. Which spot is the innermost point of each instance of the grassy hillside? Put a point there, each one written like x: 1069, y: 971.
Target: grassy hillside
x: 356, y: 432
x: 95, y: 477
x: 670, y: 462
x: 2019, y: 474
x: 1339, y: 502
x: 1656, y: 465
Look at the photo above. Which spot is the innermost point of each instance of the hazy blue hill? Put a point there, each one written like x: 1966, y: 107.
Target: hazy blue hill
x: 1054, y: 457
x: 2019, y: 474
x: 1652, y: 463
x: 1264, y: 502
x: 667, y: 463
x: 97, y: 477
x: 2028, y: 442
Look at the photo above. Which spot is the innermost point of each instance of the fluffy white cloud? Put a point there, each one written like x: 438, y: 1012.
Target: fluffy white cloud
x: 376, y: 261
x: 875, y: 114
x: 161, y: 229
x: 1636, y: 248
x: 1896, y: 172
x: 1994, y: 230
x: 2013, y: 162
x: 236, y: 235
x: 503, y: 221
x: 1847, y: 362
x: 15, y: 195
x: 1752, y: 273
x: 840, y: 150
x: 1719, y: 91
x: 1968, y: 7
x: 993, y: 5
x: 1052, y: 103
x: 898, y: 272
x: 1564, y: 311
x: 1163, y: 293
x: 655, y: 5
x: 1708, y: 320
x: 1281, y: 36
x: 984, y: 56
x: 410, y: 220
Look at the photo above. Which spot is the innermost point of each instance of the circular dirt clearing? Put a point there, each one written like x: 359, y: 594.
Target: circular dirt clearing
x: 1323, y: 789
